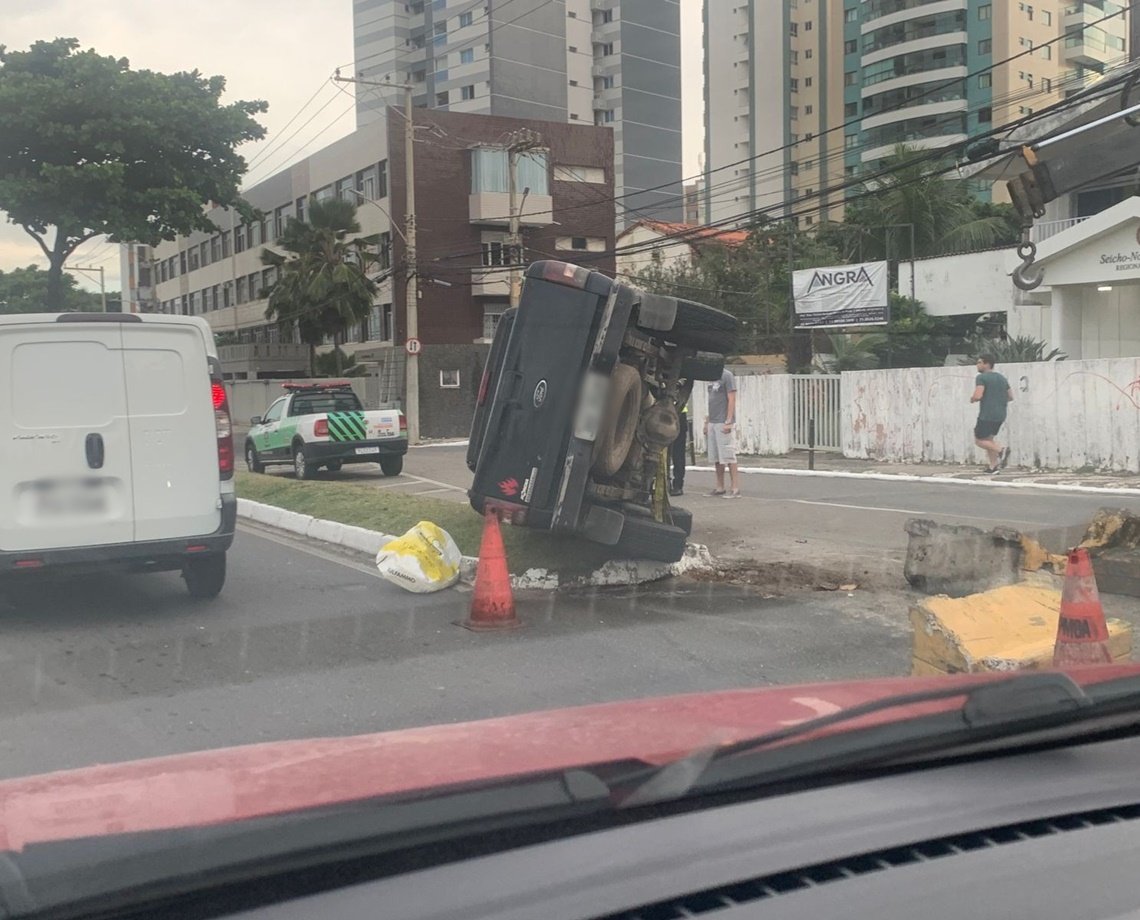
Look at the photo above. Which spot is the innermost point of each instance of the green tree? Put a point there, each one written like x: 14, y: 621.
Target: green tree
x: 89, y: 147
x: 24, y: 290
x: 852, y: 353
x: 322, y: 286
x: 1019, y: 348
x: 913, y: 337
x: 337, y: 363
x: 915, y: 193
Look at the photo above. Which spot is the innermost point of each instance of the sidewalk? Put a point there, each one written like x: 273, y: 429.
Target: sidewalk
x: 836, y: 463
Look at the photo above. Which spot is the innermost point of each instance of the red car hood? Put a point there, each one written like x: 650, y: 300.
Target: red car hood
x: 230, y: 784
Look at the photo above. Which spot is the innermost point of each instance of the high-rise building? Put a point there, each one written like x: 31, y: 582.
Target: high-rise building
x: 802, y: 96
x: 604, y: 62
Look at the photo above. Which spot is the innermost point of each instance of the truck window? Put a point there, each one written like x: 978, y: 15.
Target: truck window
x: 318, y: 403
x: 274, y: 411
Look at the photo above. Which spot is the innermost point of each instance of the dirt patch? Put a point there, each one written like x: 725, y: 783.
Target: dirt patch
x: 778, y: 579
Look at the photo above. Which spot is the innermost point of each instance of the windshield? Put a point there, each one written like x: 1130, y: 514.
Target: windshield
x: 366, y: 407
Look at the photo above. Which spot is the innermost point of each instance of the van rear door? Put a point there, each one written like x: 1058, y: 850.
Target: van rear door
x: 65, y: 446
x: 174, y: 449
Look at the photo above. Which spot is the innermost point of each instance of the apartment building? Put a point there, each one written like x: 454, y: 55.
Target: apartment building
x: 615, y: 63
x: 463, y: 257
x: 859, y: 77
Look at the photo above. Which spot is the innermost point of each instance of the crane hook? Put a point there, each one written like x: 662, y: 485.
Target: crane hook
x: 1024, y: 277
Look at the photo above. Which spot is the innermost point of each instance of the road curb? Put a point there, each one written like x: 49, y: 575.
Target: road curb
x: 940, y: 480
x: 360, y: 539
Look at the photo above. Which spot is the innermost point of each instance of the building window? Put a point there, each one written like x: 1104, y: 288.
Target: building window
x: 807, y: 54
x: 851, y: 15
x: 1029, y: 12
x: 239, y: 238
x: 182, y: 262
x: 607, y: 82
x: 192, y: 258
x: 217, y: 289
x: 467, y: 93
x: 491, y: 317
x: 215, y: 248
x: 850, y: 109
x: 449, y: 380
x: 809, y: 164
x: 489, y: 171
x: 242, y: 287
x: 985, y: 115
x: 851, y: 47
x: 807, y: 26
x: 279, y: 221
x: 1046, y: 85
x: 986, y: 46
x: 226, y: 244
x: 419, y: 76
x: 301, y: 208
x: 467, y: 56
x: 204, y: 254
x: 850, y: 78
x: 850, y: 141
x: 228, y: 294
x: 604, y: 117
x: 794, y: 29
x: 985, y: 80
x: 465, y: 19
x: 441, y: 99
x: 344, y: 188
x: 793, y: 111
x: 1047, y: 17
x: 807, y: 82
x: 606, y: 49
x: 795, y: 56
x: 794, y: 85
x: 384, y: 251
x: 496, y: 254
x: 1047, y: 52
x: 985, y: 11
x: 254, y: 234
x: 382, y: 179
x: 808, y: 109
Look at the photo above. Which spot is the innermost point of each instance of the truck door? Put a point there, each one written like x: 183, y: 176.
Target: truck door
x: 65, y: 445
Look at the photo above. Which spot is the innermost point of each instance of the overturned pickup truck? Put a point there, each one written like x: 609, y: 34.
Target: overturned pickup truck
x: 579, y: 402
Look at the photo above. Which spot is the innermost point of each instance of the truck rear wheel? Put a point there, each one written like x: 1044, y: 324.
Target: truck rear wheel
x: 393, y: 465
x: 205, y: 575
x: 619, y: 424
x: 644, y: 538
x: 704, y: 328
x: 333, y: 466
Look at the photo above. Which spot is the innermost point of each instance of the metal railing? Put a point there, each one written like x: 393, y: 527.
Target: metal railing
x: 1042, y: 230
x: 816, y: 412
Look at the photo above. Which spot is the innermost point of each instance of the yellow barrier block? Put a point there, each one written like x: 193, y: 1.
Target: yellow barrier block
x: 1007, y: 629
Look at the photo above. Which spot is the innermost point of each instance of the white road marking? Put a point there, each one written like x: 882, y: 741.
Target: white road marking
x: 434, y: 491
x: 462, y: 443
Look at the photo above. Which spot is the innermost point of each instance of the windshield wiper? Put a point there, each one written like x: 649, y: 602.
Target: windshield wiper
x: 1001, y: 709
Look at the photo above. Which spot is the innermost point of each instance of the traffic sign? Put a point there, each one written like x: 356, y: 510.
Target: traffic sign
x: 413, y: 346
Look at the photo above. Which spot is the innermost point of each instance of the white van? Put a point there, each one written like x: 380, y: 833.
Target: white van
x: 116, y: 447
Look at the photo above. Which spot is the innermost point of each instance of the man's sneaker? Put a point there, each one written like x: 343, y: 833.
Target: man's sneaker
x: 1003, y: 460
x: 993, y: 470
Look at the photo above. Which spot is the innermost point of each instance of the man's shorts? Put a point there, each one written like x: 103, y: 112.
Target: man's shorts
x: 985, y: 429
x: 722, y: 447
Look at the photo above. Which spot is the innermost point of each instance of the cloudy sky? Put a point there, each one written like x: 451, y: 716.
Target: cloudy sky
x: 283, y: 51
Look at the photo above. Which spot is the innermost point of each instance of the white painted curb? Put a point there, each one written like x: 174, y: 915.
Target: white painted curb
x: 940, y: 480
x: 623, y: 572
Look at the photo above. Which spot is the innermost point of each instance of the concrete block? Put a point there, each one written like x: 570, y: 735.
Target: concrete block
x: 1012, y: 628
x: 294, y: 522
x: 363, y: 540
x: 328, y: 531
x: 958, y: 560
x: 1118, y: 572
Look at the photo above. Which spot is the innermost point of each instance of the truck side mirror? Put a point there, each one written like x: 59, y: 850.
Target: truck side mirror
x: 256, y: 420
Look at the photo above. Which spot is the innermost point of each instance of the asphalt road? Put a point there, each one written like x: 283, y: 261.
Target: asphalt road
x: 306, y: 643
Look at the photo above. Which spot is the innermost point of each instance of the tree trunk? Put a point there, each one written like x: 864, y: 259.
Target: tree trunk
x: 55, y: 288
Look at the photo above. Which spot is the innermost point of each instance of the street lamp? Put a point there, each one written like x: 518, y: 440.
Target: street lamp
x: 383, y: 209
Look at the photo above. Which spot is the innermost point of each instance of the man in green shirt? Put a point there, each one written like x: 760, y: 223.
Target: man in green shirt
x: 993, y: 393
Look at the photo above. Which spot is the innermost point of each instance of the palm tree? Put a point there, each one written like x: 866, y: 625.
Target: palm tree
x: 322, y: 285
x: 852, y: 353
x: 945, y: 216
x: 1015, y: 350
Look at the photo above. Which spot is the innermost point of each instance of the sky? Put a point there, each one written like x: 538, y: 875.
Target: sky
x: 262, y: 56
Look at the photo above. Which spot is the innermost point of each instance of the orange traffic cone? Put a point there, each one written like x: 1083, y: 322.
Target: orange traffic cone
x: 493, y: 601
x: 1082, y: 633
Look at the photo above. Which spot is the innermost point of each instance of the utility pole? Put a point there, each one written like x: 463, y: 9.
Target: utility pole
x: 102, y: 284
x: 518, y: 141
x: 411, y: 286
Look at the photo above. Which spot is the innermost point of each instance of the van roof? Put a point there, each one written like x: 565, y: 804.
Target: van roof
x: 22, y: 319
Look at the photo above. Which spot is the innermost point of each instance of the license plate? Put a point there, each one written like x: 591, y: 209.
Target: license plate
x: 591, y: 406
x: 60, y: 499
x: 360, y: 451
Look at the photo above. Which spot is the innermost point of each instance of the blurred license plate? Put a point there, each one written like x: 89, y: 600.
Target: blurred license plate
x: 367, y: 450
x: 82, y: 498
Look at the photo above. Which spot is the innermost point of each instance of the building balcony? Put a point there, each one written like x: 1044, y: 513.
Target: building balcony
x: 1087, y: 51
x: 490, y: 282
x: 915, y: 111
x: 494, y: 209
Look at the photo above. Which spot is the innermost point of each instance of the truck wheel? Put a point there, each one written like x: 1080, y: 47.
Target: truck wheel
x: 252, y: 461
x: 619, y: 423
x: 333, y: 466
x: 704, y: 328
x: 391, y: 466
x: 704, y: 365
x: 205, y: 575
x: 644, y: 538
x: 302, y: 468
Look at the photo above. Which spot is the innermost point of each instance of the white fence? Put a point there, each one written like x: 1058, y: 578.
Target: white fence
x: 1065, y: 415
x: 763, y: 416
x: 815, y: 398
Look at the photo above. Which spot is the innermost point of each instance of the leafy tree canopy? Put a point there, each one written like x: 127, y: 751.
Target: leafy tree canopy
x: 24, y: 290
x: 89, y: 147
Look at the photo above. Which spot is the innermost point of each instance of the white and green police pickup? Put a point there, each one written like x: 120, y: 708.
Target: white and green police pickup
x: 324, y: 425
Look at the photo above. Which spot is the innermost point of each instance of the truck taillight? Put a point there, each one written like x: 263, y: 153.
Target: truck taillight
x: 321, y: 428
x: 403, y: 423
x: 484, y: 386
x: 565, y: 273
x: 224, y: 430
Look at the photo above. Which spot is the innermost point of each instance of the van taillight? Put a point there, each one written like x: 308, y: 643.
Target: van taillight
x: 484, y: 386
x: 224, y: 430
x: 321, y: 428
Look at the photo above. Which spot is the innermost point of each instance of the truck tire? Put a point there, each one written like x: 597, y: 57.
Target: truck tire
x: 302, y: 468
x: 333, y: 466
x: 619, y: 423
x: 252, y: 460
x: 644, y: 538
x: 703, y: 328
x: 393, y: 465
x: 205, y: 575
x: 704, y: 365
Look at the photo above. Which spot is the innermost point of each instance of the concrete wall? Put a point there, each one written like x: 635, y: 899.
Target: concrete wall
x: 445, y: 412
x: 763, y: 410
x: 252, y: 397
x: 1066, y: 415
